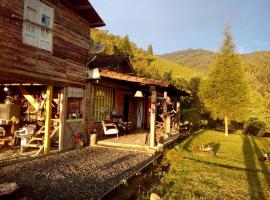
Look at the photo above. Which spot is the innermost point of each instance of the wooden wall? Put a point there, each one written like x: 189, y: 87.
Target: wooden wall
x: 120, y: 91
x: 64, y: 66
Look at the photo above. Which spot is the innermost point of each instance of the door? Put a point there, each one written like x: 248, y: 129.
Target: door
x: 126, y: 108
x: 140, y: 106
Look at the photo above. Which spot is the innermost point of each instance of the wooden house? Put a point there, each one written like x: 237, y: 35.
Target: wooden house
x: 44, y: 51
x: 115, y: 90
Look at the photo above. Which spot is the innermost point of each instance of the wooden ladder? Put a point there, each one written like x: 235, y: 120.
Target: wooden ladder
x: 38, y: 140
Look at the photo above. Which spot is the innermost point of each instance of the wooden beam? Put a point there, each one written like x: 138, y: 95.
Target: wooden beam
x: 153, y: 116
x: 29, y: 98
x: 168, y: 124
x: 49, y: 94
x: 178, y: 112
x: 63, y: 111
x: 177, y: 118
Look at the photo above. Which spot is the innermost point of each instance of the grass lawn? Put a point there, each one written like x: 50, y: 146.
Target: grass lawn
x: 233, y: 171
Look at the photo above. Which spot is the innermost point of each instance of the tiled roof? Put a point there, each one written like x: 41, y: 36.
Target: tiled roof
x: 142, y: 81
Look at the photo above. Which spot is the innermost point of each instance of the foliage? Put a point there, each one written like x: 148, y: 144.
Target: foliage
x: 150, y: 49
x: 233, y: 173
x: 145, y: 63
x: 178, y: 71
x: 256, y: 128
x: 225, y: 89
x: 198, y: 59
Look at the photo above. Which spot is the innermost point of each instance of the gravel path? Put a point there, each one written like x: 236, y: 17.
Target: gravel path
x: 80, y: 174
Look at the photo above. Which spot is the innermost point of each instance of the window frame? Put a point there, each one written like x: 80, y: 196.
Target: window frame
x: 41, y: 8
x: 105, y: 101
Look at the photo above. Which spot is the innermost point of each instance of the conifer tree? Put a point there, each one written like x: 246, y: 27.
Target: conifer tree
x: 224, y: 91
x: 150, y: 49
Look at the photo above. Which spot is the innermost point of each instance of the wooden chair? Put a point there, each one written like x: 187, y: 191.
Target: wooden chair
x: 110, y: 128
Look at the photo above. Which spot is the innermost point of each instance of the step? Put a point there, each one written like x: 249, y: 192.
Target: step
x: 37, y: 139
x: 34, y: 145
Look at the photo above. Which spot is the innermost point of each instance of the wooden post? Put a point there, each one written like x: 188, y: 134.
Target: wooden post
x: 153, y: 116
x: 168, y: 124
x: 177, y: 117
x: 178, y: 111
x: 63, y: 111
x: 49, y: 94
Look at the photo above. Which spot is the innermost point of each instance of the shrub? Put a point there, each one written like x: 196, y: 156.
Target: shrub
x: 256, y: 128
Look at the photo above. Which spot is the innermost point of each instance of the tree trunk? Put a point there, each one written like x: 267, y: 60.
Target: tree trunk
x: 226, y: 126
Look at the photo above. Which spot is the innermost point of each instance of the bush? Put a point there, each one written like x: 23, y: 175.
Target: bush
x: 256, y: 128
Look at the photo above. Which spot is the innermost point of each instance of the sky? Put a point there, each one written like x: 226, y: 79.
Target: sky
x: 172, y: 25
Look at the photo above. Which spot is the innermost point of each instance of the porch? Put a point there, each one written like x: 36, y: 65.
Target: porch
x: 137, y: 140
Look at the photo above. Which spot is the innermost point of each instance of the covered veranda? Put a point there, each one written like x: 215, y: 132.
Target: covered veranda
x: 160, y: 108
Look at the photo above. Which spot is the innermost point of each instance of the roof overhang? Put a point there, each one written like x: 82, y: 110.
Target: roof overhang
x: 86, y: 10
x: 111, y: 62
x: 163, y: 85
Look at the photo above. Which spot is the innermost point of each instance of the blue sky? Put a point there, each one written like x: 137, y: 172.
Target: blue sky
x: 171, y: 25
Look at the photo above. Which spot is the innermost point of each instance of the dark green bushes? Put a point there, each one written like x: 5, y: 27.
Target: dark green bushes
x: 256, y: 128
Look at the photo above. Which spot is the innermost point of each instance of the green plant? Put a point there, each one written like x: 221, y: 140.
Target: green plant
x: 256, y: 128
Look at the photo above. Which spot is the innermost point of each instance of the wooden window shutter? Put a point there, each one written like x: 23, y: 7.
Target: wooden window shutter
x: 30, y: 32
x: 46, y: 20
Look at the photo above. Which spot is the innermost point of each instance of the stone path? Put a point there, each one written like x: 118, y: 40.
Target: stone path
x: 80, y: 174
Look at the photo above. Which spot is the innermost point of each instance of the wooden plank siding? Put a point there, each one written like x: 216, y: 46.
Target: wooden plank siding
x: 64, y: 66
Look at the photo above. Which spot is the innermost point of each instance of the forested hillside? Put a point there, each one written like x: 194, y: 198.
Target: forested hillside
x: 198, y: 59
x: 257, y: 64
x: 145, y: 63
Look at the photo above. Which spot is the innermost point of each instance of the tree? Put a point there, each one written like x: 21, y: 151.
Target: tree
x: 126, y: 47
x: 150, y: 49
x: 225, y: 91
x: 167, y: 76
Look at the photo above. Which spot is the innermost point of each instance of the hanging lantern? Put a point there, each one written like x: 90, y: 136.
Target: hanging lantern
x: 138, y: 94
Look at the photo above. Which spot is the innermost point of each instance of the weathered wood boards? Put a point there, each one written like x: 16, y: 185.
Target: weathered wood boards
x: 64, y: 66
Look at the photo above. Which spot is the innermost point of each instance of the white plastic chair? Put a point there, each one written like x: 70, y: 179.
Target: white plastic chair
x: 110, y: 129
x: 25, y: 134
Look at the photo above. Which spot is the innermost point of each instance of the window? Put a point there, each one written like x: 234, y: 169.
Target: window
x: 103, y: 103
x: 38, y: 24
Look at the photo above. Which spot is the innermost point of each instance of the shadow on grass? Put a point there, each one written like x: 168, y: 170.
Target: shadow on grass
x: 224, y: 165
x: 263, y: 165
x: 254, y: 184
x: 188, y: 141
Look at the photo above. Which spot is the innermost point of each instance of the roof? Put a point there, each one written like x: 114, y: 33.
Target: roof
x: 142, y: 81
x: 86, y: 10
x: 118, y: 63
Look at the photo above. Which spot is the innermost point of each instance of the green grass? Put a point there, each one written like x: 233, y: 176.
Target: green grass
x: 178, y: 71
x: 233, y: 172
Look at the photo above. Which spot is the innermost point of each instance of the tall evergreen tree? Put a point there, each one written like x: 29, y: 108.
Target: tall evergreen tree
x: 150, y: 49
x: 126, y: 47
x: 224, y: 91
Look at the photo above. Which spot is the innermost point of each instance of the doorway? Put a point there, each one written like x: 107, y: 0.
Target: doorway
x: 140, y: 113
x: 126, y: 108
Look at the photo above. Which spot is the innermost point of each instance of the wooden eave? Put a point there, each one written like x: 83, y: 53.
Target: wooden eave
x: 164, y: 85
x: 110, y: 62
x: 86, y: 10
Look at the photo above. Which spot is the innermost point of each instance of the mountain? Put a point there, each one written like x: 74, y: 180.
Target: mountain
x: 257, y: 64
x: 198, y: 59
x: 178, y: 70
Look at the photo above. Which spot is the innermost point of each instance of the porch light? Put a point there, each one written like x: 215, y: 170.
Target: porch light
x: 6, y: 89
x: 93, y: 74
x: 138, y: 94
